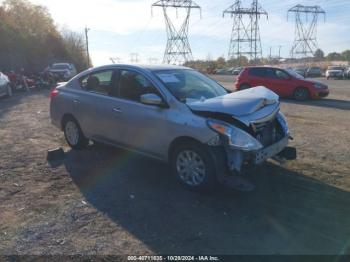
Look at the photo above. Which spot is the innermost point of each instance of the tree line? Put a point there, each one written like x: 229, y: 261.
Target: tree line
x: 29, y: 39
x: 210, y: 65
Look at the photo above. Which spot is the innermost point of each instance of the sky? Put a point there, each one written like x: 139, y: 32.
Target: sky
x: 121, y: 27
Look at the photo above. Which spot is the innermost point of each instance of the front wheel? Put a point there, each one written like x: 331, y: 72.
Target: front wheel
x: 73, y: 134
x: 194, y: 166
x: 301, y: 94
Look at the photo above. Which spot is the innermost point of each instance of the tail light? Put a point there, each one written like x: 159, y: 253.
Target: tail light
x: 53, y: 93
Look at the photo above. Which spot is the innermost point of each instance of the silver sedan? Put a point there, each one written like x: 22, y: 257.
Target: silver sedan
x: 174, y: 114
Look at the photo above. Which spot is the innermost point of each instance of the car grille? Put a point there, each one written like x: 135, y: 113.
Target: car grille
x: 267, y: 133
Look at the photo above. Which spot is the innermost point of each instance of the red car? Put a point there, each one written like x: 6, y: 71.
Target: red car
x: 284, y: 82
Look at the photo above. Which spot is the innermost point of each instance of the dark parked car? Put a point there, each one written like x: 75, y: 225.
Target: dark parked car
x: 314, y: 72
x: 301, y: 71
x: 237, y: 71
x: 285, y: 83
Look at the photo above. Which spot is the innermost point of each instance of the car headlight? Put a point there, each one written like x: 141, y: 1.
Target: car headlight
x: 236, y: 137
x: 319, y: 86
x: 283, y: 122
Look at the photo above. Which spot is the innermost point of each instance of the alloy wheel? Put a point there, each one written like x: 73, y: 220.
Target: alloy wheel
x: 191, y: 168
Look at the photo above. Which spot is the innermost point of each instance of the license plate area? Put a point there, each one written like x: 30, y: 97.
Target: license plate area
x: 266, y: 153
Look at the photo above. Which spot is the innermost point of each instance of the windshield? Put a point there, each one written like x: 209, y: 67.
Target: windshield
x: 295, y: 74
x: 188, y: 85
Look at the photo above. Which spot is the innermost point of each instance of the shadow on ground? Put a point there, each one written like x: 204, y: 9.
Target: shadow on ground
x: 287, y: 214
x: 327, y: 103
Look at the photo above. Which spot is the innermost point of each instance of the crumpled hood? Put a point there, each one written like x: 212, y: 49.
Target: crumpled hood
x: 240, y: 103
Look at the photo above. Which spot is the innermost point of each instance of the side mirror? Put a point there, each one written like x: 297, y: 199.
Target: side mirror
x: 151, y: 99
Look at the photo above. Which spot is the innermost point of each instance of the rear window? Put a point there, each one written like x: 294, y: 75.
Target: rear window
x: 60, y: 66
x: 335, y: 68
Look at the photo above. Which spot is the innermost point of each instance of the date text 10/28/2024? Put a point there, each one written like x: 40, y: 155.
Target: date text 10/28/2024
x: 173, y: 258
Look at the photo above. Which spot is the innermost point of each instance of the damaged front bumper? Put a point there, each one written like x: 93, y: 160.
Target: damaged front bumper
x: 238, y: 160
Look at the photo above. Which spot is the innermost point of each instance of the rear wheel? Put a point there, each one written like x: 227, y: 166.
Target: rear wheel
x: 73, y: 134
x: 244, y: 87
x: 301, y: 94
x: 194, y: 166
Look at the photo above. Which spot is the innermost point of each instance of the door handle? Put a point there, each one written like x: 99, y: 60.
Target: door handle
x: 117, y: 110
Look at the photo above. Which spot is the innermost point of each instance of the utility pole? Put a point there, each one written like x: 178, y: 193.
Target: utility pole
x: 134, y: 58
x: 178, y: 50
x: 305, y: 43
x: 153, y: 60
x: 279, y: 52
x: 87, y: 45
x: 245, y: 36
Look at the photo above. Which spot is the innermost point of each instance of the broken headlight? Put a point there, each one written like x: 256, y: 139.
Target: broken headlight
x: 237, y: 138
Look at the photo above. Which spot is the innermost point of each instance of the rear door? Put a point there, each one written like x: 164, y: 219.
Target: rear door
x: 98, y: 112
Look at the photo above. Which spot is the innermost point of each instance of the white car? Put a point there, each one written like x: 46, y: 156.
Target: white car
x: 347, y: 73
x: 335, y: 72
x: 63, y: 71
x: 5, y: 87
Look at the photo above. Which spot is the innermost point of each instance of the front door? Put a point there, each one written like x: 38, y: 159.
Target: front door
x: 281, y: 82
x: 143, y: 125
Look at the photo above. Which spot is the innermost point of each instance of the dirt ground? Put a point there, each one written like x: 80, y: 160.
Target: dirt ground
x: 107, y: 201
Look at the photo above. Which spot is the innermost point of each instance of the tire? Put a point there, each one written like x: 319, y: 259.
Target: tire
x: 201, y: 173
x: 74, y: 135
x: 244, y: 87
x: 301, y: 94
x: 9, y: 90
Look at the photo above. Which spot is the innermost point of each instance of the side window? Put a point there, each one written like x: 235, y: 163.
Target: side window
x: 271, y: 73
x: 258, y: 72
x: 100, y: 82
x: 133, y: 85
x: 281, y: 75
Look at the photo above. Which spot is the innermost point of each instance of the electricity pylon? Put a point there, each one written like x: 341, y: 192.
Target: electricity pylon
x: 245, y: 37
x: 306, y: 22
x: 178, y: 50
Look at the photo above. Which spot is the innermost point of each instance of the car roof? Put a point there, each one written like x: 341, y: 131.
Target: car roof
x: 147, y: 67
x: 264, y: 67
